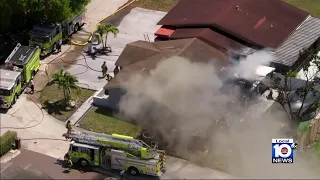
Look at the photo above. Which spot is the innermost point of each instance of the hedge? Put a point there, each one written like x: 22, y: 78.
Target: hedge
x: 6, y: 141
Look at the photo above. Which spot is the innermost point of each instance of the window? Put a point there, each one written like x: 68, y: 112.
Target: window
x: 74, y: 149
x: 40, y: 39
x: 5, y: 92
x: 92, y: 154
x: 84, y: 150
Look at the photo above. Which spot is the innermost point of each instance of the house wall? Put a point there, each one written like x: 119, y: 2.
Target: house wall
x: 115, y: 95
x: 109, y: 98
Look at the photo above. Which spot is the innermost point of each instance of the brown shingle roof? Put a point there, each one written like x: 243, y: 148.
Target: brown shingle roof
x: 264, y: 22
x: 209, y: 36
x: 141, y: 50
x: 135, y: 51
x: 192, y: 49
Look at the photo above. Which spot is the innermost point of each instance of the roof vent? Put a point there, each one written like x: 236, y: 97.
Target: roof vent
x: 22, y: 57
x: 237, y: 7
x: 271, y: 25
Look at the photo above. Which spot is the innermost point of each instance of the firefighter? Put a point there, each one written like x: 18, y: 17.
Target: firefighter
x: 270, y: 95
x: 66, y: 157
x: 116, y: 70
x: 69, y: 127
x: 58, y: 45
x: 69, y: 163
x: 90, y: 48
x: 104, y: 69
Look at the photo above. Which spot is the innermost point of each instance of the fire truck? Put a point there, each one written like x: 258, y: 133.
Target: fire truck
x: 19, y: 69
x: 46, y: 35
x: 116, y: 152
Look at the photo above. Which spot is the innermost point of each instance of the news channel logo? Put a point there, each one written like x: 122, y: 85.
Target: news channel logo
x: 283, y: 150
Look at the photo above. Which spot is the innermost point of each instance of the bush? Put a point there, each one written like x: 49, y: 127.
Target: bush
x: 6, y: 141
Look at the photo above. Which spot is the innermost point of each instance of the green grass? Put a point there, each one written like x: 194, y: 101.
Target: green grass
x: 101, y: 120
x: 317, y: 148
x: 51, y: 99
x: 311, y: 6
x: 159, y: 5
x: 304, y: 126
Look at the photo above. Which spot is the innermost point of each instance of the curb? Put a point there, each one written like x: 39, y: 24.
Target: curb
x: 10, y: 155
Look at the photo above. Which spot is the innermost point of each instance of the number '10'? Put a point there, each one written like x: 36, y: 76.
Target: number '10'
x: 278, y: 152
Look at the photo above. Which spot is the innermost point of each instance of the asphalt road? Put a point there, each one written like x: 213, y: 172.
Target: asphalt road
x: 53, y: 167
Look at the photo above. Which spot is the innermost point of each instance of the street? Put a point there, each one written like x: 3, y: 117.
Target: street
x: 53, y: 167
x: 56, y: 169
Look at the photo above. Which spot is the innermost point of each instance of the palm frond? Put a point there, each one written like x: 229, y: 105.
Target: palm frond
x: 66, y: 81
x: 110, y: 28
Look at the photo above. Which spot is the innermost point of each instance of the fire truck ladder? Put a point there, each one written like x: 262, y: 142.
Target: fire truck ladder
x: 103, y: 139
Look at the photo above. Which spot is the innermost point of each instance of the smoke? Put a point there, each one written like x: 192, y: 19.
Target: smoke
x: 247, y: 66
x: 181, y: 99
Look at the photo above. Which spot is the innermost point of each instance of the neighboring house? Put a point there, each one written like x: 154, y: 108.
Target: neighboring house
x: 142, y: 57
x: 241, y: 27
x: 296, y: 101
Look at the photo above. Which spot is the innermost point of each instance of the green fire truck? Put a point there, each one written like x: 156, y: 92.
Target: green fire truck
x: 116, y: 152
x: 20, y: 67
x: 46, y: 35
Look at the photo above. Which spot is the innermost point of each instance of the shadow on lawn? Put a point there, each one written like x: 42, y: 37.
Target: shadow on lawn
x: 55, y: 108
x: 106, y: 111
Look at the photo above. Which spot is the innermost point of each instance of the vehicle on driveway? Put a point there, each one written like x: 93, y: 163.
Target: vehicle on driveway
x: 47, y: 35
x: 20, y: 67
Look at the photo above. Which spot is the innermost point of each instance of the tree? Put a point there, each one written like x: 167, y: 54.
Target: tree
x: 66, y: 82
x: 26, y: 13
x: 110, y: 28
x: 101, y: 30
x: 300, y: 97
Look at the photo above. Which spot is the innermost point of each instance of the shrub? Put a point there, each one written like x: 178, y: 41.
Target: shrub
x: 6, y: 141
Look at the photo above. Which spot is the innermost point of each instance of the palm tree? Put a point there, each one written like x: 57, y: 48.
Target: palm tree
x: 110, y: 28
x: 66, y: 82
x: 101, y: 30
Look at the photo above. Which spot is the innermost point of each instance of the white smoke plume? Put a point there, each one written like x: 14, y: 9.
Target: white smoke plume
x: 185, y: 96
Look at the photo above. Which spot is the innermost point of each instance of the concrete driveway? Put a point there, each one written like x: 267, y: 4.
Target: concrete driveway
x: 39, y: 131
x: 126, y: 21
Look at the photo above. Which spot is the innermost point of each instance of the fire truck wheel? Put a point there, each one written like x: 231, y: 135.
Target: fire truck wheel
x: 83, y: 162
x: 33, y: 74
x: 14, y: 99
x: 54, y: 47
x: 133, y: 171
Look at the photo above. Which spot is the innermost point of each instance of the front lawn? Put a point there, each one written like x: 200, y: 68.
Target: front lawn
x: 101, y: 120
x: 311, y: 6
x: 158, y: 5
x: 51, y: 99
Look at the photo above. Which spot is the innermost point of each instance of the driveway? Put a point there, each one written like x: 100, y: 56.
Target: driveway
x: 126, y: 21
